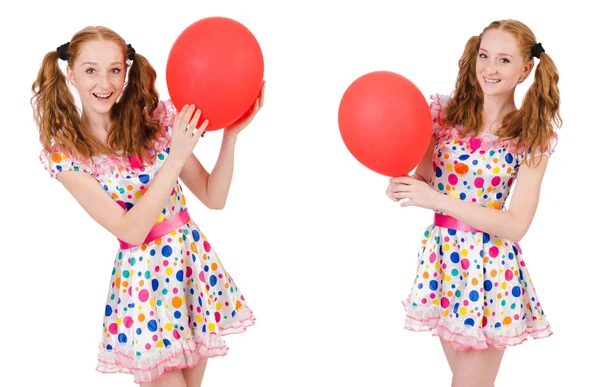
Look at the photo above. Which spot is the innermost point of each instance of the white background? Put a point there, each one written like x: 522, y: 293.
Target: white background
x: 323, y: 257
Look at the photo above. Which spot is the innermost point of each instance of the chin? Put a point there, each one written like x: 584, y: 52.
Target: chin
x: 102, y: 108
x: 492, y: 90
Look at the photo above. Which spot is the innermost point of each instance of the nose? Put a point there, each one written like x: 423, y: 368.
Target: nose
x: 490, y: 68
x: 104, y: 81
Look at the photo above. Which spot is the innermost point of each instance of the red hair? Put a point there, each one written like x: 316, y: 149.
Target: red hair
x: 532, y: 124
x: 132, y: 130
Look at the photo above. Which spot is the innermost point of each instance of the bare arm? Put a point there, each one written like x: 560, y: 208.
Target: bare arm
x: 424, y: 170
x: 130, y: 226
x: 134, y: 225
x: 511, y: 224
x: 212, y: 188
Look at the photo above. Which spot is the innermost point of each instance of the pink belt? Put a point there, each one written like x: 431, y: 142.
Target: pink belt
x: 453, y: 223
x: 162, y: 229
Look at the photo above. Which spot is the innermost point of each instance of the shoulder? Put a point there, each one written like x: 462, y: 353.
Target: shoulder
x: 437, y: 107
x: 165, y: 113
x: 438, y: 104
x: 544, y: 150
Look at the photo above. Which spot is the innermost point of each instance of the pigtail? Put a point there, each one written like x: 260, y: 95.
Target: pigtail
x: 54, y: 108
x: 466, y: 104
x: 539, y: 114
x: 138, y: 129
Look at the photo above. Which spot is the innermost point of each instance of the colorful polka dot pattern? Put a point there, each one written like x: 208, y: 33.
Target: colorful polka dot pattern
x: 473, y: 289
x: 170, y: 300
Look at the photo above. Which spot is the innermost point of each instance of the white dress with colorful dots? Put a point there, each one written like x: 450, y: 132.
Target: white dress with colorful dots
x: 170, y: 300
x: 472, y: 288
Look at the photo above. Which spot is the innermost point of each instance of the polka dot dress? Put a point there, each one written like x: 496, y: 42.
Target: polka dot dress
x: 170, y: 301
x: 471, y: 288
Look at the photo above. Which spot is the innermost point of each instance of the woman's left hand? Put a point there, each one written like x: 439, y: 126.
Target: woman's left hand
x: 413, y: 192
x: 246, y: 119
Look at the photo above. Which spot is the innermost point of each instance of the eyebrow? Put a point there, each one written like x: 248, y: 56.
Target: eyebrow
x: 96, y: 64
x: 501, y: 53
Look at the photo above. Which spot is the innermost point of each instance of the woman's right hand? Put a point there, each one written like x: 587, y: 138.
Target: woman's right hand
x: 185, y: 134
x: 392, y: 189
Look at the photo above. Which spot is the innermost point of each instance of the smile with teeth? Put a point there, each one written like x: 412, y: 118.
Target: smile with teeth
x: 491, y: 81
x: 102, y: 96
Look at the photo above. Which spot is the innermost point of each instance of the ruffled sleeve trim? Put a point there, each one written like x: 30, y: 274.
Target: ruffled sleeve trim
x: 437, y: 108
x: 57, y: 160
x: 166, y: 113
x: 546, y: 151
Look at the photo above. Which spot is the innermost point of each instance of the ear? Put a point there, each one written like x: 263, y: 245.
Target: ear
x: 526, y: 70
x: 70, y: 76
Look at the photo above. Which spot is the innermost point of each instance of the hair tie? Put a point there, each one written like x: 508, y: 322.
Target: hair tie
x: 537, y: 50
x: 130, y: 52
x: 63, y: 51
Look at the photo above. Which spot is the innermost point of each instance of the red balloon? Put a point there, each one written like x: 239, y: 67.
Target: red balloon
x: 216, y: 64
x: 385, y: 123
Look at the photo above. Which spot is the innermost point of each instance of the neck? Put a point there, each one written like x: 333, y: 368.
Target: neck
x: 494, y: 109
x: 98, y: 123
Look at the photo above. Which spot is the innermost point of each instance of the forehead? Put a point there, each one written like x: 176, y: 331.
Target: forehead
x: 102, y: 52
x: 495, y: 41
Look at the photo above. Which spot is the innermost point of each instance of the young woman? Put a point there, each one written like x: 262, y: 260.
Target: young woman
x: 170, y: 299
x: 472, y: 287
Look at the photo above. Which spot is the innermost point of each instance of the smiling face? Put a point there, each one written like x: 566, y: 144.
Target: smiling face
x: 98, y: 73
x: 500, y: 64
